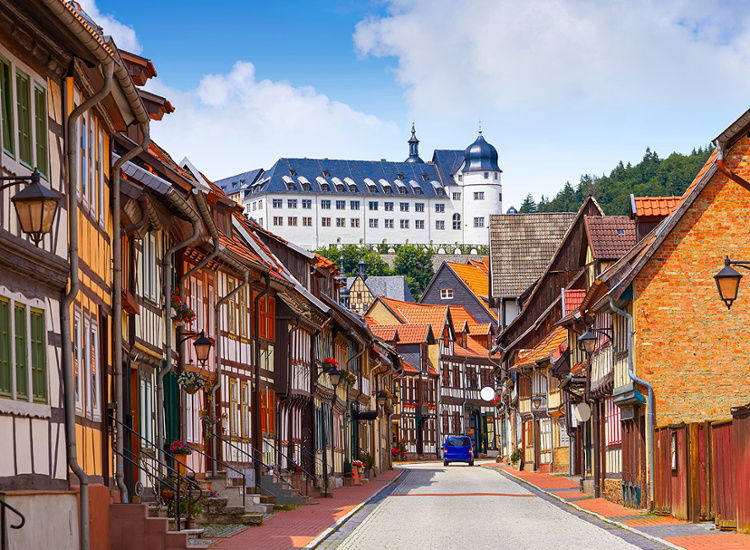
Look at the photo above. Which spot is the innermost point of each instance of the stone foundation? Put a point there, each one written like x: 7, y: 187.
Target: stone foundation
x: 612, y: 490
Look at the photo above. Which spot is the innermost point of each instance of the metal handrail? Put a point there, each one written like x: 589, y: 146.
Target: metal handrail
x: 308, y: 475
x: 251, y: 457
x: 242, y: 474
x: 3, y: 527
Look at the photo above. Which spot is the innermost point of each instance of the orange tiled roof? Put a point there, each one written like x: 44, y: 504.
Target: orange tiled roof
x: 543, y: 350
x: 478, y: 328
x: 407, y: 334
x: 418, y: 314
x: 459, y: 315
x: 573, y: 300
x: 384, y: 332
x: 473, y: 277
x: 75, y: 9
x: 656, y: 206
x: 408, y: 367
x: 322, y: 261
x: 472, y: 349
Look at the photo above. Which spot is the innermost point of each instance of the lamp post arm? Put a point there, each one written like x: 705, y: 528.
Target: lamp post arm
x: 740, y: 263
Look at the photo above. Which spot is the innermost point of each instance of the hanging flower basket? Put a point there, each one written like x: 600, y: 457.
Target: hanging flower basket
x: 179, y: 448
x: 181, y: 312
x: 329, y: 363
x: 348, y: 377
x: 191, y: 382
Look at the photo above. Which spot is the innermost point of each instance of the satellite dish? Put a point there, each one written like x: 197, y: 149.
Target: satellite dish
x: 487, y: 393
x: 583, y: 412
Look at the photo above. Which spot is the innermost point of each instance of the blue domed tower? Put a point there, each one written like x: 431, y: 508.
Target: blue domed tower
x: 482, y: 195
x: 413, y: 147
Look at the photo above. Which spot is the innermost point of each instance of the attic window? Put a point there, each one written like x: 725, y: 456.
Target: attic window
x: 326, y: 173
x: 425, y: 177
x: 292, y: 172
x: 620, y: 232
x: 400, y: 175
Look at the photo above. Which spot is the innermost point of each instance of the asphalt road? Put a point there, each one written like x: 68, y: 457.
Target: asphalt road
x: 463, y: 507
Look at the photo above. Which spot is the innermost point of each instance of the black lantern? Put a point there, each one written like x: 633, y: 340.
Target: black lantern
x: 335, y: 376
x: 36, y: 206
x: 202, y: 347
x: 381, y: 398
x: 587, y: 341
x: 728, y: 283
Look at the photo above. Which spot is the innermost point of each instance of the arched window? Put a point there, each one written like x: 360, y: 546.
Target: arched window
x: 456, y: 221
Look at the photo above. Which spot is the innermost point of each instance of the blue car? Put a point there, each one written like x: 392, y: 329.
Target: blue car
x: 457, y: 448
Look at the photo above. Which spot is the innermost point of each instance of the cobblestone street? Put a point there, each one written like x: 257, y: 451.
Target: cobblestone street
x: 474, y: 507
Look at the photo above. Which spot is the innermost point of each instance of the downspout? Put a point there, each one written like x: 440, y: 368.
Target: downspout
x: 287, y: 391
x: 167, y: 286
x: 71, y: 144
x: 117, y: 309
x: 217, y: 382
x: 257, y: 435
x: 346, y: 410
x: 651, y: 403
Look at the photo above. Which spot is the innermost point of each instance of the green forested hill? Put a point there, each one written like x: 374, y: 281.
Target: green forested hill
x: 650, y: 177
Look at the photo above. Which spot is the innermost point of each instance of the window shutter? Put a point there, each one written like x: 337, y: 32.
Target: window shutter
x: 22, y: 376
x: 40, y: 120
x: 5, y: 372
x: 23, y: 101
x: 38, y: 357
x: 6, y: 105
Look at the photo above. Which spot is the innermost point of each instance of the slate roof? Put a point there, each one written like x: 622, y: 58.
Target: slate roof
x: 448, y: 162
x: 390, y: 286
x: 239, y: 182
x: 610, y: 237
x: 647, y: 207
x: 521, y: 247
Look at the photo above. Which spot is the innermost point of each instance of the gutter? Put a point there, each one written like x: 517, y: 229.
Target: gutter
x: 117, y: 309
x: 651, y: 403
x: 71, y: 169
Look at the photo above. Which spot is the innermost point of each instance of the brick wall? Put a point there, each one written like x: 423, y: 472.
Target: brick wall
x: 612, y: 490
x: 695, y: 352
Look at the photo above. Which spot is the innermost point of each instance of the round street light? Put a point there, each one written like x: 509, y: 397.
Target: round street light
x: 36, y: 206
x: 202, y: 347
x: 587, y: 341
x: 728, y: 283
x: 335, y: 376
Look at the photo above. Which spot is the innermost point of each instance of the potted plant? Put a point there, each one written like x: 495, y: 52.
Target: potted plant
x: 330, y: 363
x: 179, y: 448
x: 191, y: 381
x: 515, y: 458
x: 167, y: 487
x: 181, y: 312
x: 189, y: 509
x: 369, y: 462
x: 348, y: 376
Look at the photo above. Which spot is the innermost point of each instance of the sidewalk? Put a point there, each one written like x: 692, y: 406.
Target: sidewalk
x: 691, y: 536
x: 297, y: 528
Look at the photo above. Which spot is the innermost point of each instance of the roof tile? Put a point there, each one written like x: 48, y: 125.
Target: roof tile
x: 610, y: 237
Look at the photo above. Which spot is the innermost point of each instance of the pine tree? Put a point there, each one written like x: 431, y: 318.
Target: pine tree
x: 528, y: 205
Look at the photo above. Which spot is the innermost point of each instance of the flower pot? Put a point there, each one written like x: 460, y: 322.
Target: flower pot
x: 191, y: 389
x: 167, y: 494
x: 180, y: 462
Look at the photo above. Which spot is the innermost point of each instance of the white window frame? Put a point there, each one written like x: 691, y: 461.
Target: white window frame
x: 95, y: 371
x: 446, y: 293
x: 479, y: 222
x: 78, y: 342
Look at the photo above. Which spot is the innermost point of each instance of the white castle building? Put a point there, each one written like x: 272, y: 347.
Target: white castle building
x: 317, y: 202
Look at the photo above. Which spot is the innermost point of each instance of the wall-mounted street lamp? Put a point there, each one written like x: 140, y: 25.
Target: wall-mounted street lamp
x: 202, y: 346
x: 335, y: 377
x: 587, y: 340
x: 728, y: 280
x: 36, y: 205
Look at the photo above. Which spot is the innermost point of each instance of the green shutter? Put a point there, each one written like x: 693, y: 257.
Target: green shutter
x: 22, y: 386
x: 38, y: 357
x: 23, y: 101
x: 6, y: 105
x: 5, y: 372
x: 40, y: 121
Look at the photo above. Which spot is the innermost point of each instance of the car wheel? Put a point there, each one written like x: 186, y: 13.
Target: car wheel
x: 445, y: 463
x: 471, y: 463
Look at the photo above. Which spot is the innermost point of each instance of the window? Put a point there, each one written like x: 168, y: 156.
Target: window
x: 340, y: 222
x: 93, y: 372
x: 374, y: 223
x: 496, y: 176
x: 439, y: 208
x: 373, y: 205
x: 40, y: 124
x: 354, y: 205
x: 478, y: 195
x: 306, y: 203
x: 388, y: 224
x: 486, y: 175
x: 278, y: 220
x: 291, y: 203
x: 292, y: 221
x: 388, y: 206
x: 456, y: 221
x: 277, y: 203
x: 6, y: 97
x: 244, y: 410
x: 23, y: 111
x: 403, y: 206
x: 150, y: 270
x: 404, y: 224
x: 612, y: 419
x: 22, y: 360
x: 500, y: 197
x: 340, y: 205
x: 83, y: 158
x: 99, y: 172
x: 325, y: 204
x: 234, y: 406
x: 440, y: 225
x: 419, y: 207
x: 146, y: 415
x: 325, y: 222
x: 446, y: 293
x: 78, y: 360
x: 456, y: 196
x: 307, y: 222
x: 418, y: 224
x: 6, y: 378
x: 479, y: 222
x: 402, y: 190
x: 355, y: 222
x: 260, y: 204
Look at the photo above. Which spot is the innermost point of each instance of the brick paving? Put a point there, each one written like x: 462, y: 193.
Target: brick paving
x: 691, y: 536
x: 297, y: 528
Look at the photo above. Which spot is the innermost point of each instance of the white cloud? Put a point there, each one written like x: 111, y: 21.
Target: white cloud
x: 123, y: 35
x: 235, y: 122
x: 556, y: 54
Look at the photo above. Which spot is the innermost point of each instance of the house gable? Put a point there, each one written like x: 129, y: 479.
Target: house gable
x: 446, y: 278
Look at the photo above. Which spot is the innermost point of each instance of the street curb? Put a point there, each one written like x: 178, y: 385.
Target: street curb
x: 589, y: 512
x: 335, y: 527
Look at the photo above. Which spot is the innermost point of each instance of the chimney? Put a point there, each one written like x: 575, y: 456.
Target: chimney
x: 363, y: 269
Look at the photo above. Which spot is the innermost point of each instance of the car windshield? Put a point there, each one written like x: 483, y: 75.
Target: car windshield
x: 457, y: 442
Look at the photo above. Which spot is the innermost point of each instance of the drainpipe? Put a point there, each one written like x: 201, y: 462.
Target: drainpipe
x: 287, y: 392
x: 257, y: 435
x: 71, y: 144
x: 217, y: 382
x: 346, y: 411
x: 180, y: 203
x: 651, y: 402
x: 117, y: 310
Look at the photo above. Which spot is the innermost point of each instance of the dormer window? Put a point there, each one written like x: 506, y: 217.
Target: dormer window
x: 292, y: 172
x: 425, y: 177
x: 326, y: 174
x: 289, y: 182
x: 400, y: 175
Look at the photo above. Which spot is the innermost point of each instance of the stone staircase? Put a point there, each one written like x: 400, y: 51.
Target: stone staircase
x: 282, y: 490
x: 132, y: 528
x: 231, y: 489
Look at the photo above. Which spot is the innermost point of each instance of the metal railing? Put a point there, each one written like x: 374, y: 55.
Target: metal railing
x: 253, y: 459
x: 308, y: 476
x: 4, y: 507
x: 174, y: 480
x: 223, y: 463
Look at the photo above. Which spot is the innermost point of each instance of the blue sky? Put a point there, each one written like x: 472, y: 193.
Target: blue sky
x: 563, y: 87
